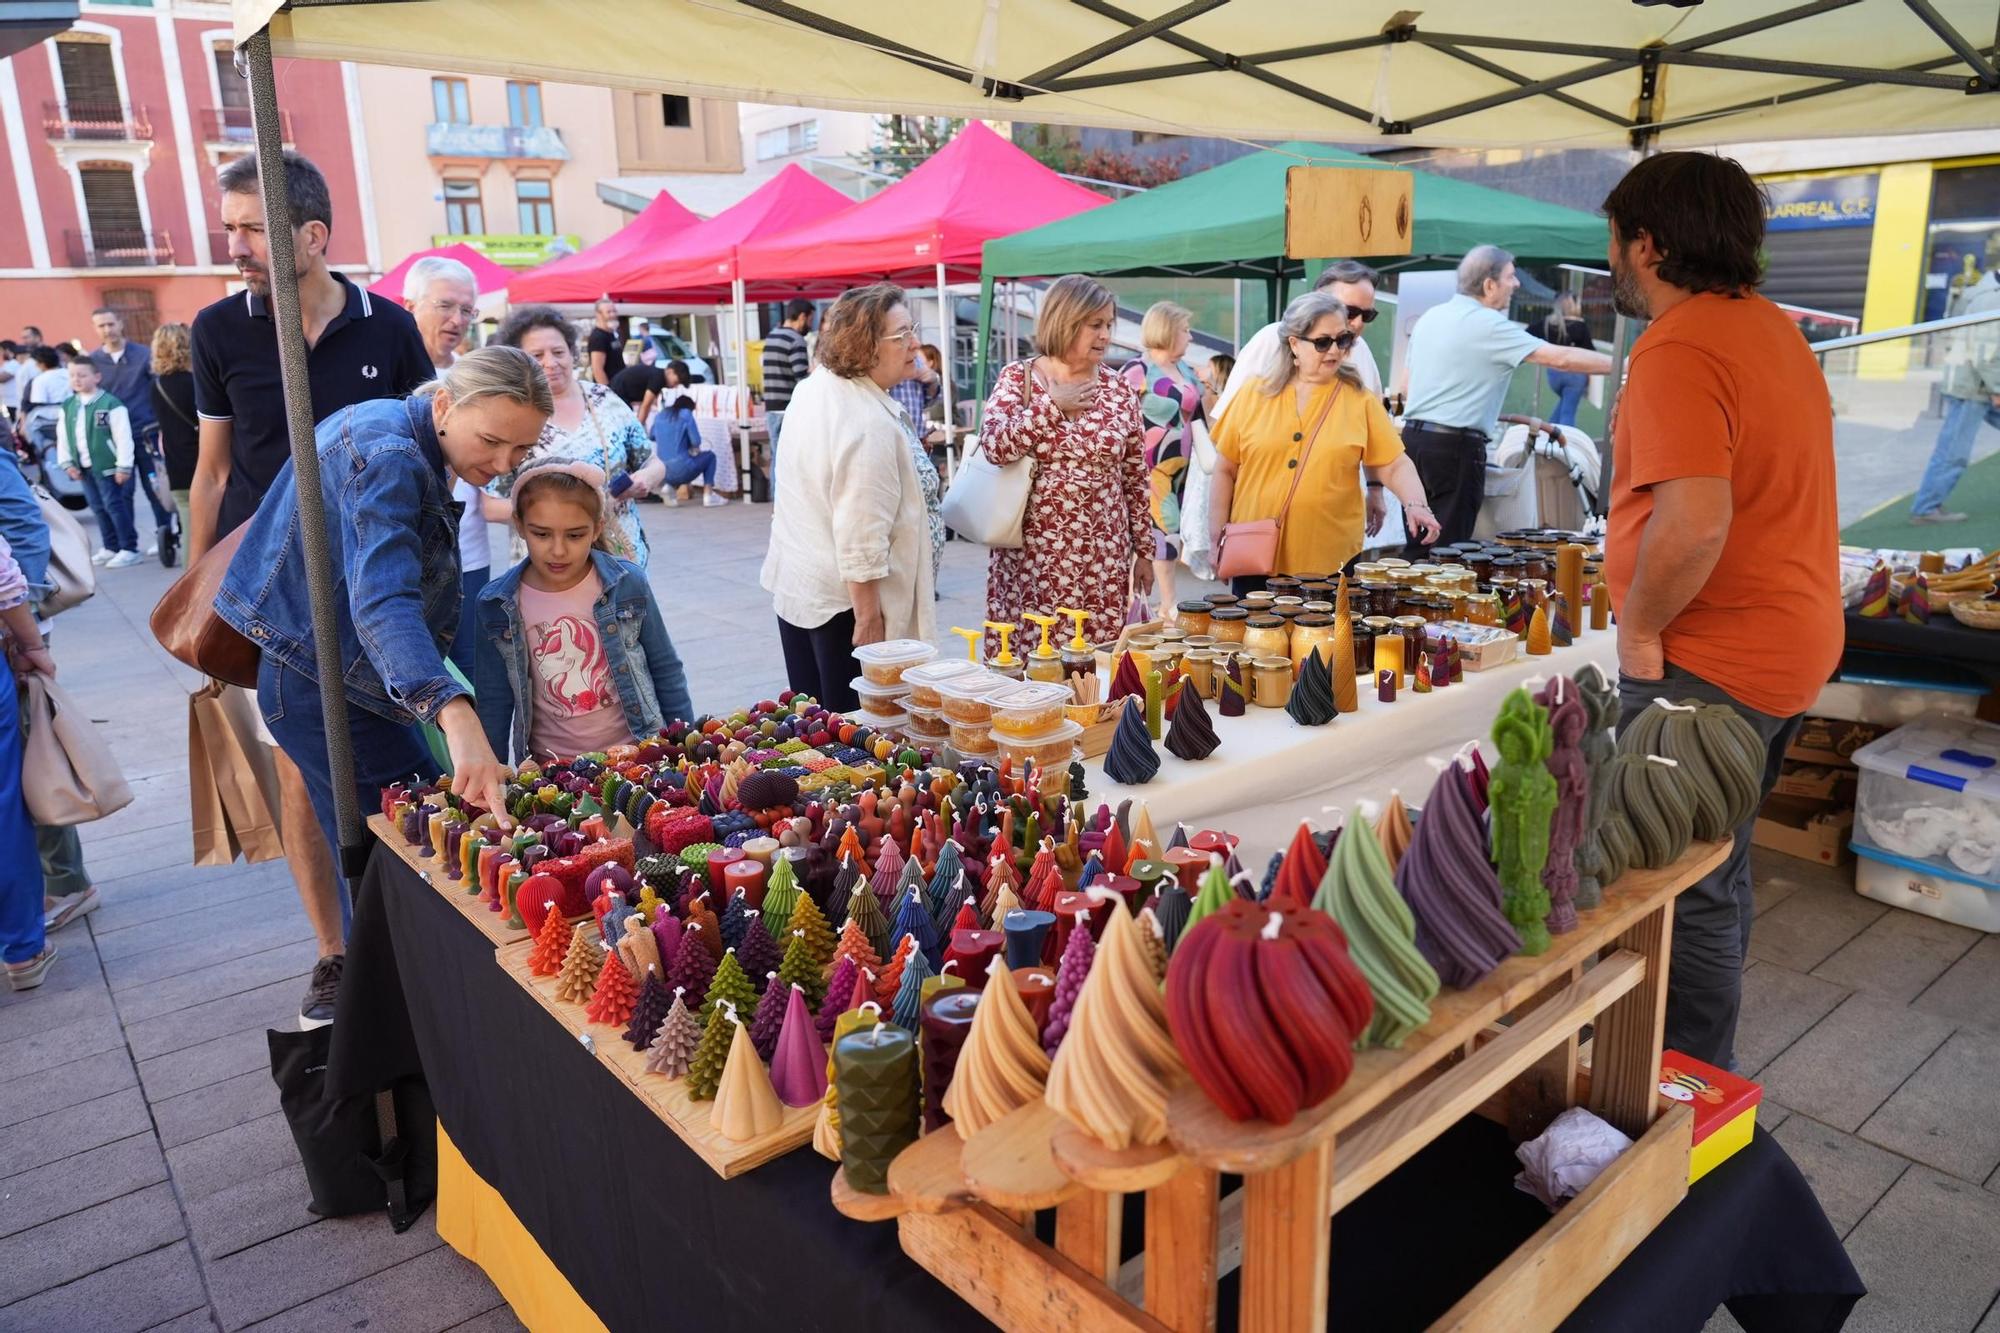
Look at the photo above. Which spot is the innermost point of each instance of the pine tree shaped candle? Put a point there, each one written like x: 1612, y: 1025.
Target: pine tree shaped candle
x: 801, y: 969
x: 580, y: 965
x: 759, y: 954
x: 781, y: 897
x: 915, y: 921
x: 654, y: 1001
x: 1070, y: 973
x: 551, y: 945
x: 674, y: 1045
x: 840, y: 898
x: 770, y: 1016
x: 864, y: 911
x: 945, y: 882
x: 891, y: 975
x: 704, y: 1072
x: 611, y: 1004
x: 693, y: 967
x: 888, y: 873
x: 839, y: 984
x: 854, y: 944
x: 734, y: 920
x: 808, y: 921
x: 729, y: 986
x: 909, y: 1000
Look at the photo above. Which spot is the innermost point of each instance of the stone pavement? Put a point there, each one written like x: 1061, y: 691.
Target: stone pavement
x: 147, y: 1179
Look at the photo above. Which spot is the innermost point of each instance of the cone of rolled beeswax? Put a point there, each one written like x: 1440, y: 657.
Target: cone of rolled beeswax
x: 1002, y: 1066
x: 1657, y: 802
x: 1718, y: 752
x: 1114, y: 1070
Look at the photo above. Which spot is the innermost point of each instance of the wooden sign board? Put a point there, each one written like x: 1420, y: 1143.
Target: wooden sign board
x: 1348, y: 212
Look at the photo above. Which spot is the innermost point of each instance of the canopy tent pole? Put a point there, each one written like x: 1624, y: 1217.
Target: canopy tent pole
x: 982, y: 355
x: 736, y: 296
x: 290, y: 328
x: 946, y: 326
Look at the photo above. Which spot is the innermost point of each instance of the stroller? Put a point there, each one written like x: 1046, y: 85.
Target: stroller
x: 1540, y: 475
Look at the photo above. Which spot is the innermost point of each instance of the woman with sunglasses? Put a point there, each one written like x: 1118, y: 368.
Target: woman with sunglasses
x: 1304, y: 431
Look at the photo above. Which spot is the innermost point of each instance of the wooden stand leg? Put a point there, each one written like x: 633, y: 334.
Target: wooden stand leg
x: 1625, y: 1055
x: 1286, y: 1239
x: 1088, y: 1229
x: 1546, y: 1088
x: 1180, y: 1251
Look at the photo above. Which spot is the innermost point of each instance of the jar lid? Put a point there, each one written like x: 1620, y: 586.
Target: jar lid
x: 1062, y: 731
x: 894, y: 651
x: 868, y: 689
x: 1221, y: 599
x: 971, y: 686
x: 1229, y: 613
x: 1028, y: 695
x: 1197, y: 607
x: 1264, y: 622
x: 1271, y: 663
x: 1312, y: 620
x: 1410, y: 622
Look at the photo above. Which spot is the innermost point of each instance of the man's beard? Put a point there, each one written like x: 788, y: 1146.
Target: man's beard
x: 1627, y: 297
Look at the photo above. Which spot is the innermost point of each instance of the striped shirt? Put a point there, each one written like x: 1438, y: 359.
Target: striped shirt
x: 785, y: 364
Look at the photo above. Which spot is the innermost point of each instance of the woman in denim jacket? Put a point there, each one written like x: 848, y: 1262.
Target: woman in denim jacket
x: 386, y: 472
x: 572, y: 655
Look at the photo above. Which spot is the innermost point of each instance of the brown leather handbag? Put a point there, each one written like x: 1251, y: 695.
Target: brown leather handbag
x: 1250, y: 549
x: 187, y: 626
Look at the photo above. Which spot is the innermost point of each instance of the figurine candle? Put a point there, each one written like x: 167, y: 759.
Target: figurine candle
x: 875, y: 1077
x: 1189, y: 866
x: 947, y: 1019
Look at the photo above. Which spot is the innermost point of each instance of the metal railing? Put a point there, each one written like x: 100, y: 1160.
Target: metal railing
x: 1906, y: 331
x: 96, y: 120
x: 119, y: 247
x: 231, y: 124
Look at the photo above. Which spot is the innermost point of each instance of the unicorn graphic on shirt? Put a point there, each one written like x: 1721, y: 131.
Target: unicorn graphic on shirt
x: 571, y: 665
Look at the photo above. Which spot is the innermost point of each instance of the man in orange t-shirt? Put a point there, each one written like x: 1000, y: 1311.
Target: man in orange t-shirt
x: 1723, y: 549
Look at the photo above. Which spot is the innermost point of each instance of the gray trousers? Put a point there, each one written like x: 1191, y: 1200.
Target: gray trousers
x: 1712, y: 919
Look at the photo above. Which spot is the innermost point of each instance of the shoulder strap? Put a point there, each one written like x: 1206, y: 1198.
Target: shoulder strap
x: 1298, y: 473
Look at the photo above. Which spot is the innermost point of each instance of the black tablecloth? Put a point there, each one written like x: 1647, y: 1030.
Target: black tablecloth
x: 1942, y: 642
x: 652, y: 1239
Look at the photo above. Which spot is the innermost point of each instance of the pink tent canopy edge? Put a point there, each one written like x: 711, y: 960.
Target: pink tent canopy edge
x: 700, y: 263
x: 582, y: 277
x: 489, y: 275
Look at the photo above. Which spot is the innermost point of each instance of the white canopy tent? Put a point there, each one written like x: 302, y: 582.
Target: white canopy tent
x: 1457, y: 73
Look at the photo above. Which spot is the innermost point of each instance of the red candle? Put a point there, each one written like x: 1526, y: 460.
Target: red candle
x: 1038, y: 992
x: 947, y: 1019
x: 718, y: 859
x: 594, y: 830
x: 1189, y: 866
x: 747, y: 875
x: 1209, y: 840
x: 1126, y: 887
x: 973, y: 951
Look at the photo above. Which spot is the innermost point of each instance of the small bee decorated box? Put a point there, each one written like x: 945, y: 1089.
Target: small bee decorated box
x: 1725, y: 1108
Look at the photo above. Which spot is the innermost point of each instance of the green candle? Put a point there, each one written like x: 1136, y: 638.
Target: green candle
x: 1154, y: 702
x: 875, y: 1075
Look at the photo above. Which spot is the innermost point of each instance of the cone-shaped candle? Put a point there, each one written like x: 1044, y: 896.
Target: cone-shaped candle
x: 770, y: 1016
x: 1345, y: 695
x: 781, y: 898
x: 1538, y: 644
x: 904, y: 1004
x: 1451, y: 887
x: 1126, y: 679
x: 1132, y: 759
x: 1117, y: 1064
x: 1215, y: 891
x: 840, y: 898
x: 892, y: 971
x: 1359, y: 893
x: 875, y: 1080
x: 1230, y: 697
x: 840, y: 983
x: 1562, y: 631
x: 1311, y: 701
x: 759, y: 954
x: 888, y: 874
x: 1003, y: 1066
x: 1299, y: 873
x: 914, y: 920
x: 1392, y: 828
x: 745, y: 1103
x: 798, y: 1061
x: 1523, y: 798
x: 1192, y: 735
x: 1172, y: 910
x: 674, y: 1045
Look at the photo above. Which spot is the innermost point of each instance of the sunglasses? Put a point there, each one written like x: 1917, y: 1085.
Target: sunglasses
x: 1327, y: 342
x: 1365, y: 316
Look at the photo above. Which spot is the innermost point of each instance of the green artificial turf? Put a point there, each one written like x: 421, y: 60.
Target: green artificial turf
x: 1976, y: 495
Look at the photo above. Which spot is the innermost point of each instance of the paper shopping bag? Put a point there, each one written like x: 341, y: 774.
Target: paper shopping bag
x: 214, y: 844
x: 245, y: 776
x: 68, y: 773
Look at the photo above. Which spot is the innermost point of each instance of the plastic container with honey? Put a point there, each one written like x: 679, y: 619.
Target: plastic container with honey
x: 1267, y: 636
x: 1028, y: 709
x: 885, y: 663
x: 1226, y: 624
x: 923, y: 680
x: 926, y: 724
x: 964, y: 697
x: 1051, y: 749
x: 880, y: 702
x: 970, y: 737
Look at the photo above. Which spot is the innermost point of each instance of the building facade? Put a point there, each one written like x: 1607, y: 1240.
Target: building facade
x: 113, y: 133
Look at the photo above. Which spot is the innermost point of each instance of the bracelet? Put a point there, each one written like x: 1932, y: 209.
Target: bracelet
x: 1374, y: 485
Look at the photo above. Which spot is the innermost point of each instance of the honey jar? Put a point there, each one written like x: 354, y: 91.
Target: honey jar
x: 1192, y: 616
x: 1281, y: 585
x: 1312, y: 634
x: 1225, y: 623
x: 1482, y: 608
x: 1267, y: 636
x: 1269, y: 681
x: 1198, y: 665
x: 1217, y: 600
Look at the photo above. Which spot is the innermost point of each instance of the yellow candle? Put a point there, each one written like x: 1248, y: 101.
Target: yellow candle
x: 1389, y: 652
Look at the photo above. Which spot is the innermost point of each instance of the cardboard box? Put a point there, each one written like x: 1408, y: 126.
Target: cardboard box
x: 1725, y: 1108
x: 1833, y: 741
x: 1812, y: 830
x: 1815, y: 782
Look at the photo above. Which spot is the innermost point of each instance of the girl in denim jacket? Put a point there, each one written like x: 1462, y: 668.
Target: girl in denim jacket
x: 572, y: 655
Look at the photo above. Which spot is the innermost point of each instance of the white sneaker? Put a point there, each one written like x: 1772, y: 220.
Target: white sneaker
x: 102, y: 557
x: 672, y: 499
x: 154, y: 549
x: 711, y: 500
x: 123, y: 560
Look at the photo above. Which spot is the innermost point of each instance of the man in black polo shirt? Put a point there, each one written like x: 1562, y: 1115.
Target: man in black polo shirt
x: 358, y: 348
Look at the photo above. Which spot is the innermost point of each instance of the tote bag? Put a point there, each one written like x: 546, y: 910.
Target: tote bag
x: 67, y: 772
x: 987, y: 500
x: 71, y: 576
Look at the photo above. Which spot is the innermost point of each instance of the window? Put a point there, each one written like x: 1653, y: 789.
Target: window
x: 677, y: 113
x: 89, y: 74
x: 451, y: 102
x: 111, y: 211
x: 463, y: 213
x: 536, y: 204
x: 233, y: 87
x: 798, y: 137
x: 524, y: 105
x: 135, y: 306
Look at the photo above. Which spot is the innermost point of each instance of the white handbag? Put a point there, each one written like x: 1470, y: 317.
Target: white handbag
x: 71, y: 577
x: 987, y: 500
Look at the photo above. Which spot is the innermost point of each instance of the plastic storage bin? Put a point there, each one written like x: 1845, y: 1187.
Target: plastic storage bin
x: 1918, y: 886
x: 964, y: 697
x: 1029, y: 708
x: 1928, y: 814
x: 879, y: 702
x: 1056, y: 748
x: 885, y: 663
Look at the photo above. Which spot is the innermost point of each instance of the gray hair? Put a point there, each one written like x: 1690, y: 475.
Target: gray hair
x: 1297, y: 321
x: 305, y: 187
x: 1349, y: 271
x: 494, y: 372
x: 436, y: 268
x: 1481, y: 263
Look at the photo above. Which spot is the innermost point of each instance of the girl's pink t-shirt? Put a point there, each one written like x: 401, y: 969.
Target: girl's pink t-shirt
x: 576, y: 706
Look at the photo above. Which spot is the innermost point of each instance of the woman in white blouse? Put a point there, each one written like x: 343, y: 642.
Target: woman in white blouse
x: 850, y: 556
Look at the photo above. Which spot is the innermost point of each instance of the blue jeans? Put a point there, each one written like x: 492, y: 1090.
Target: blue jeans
x: 772, y: 421
x: 384, y: 752
x: 21, y: 936
x: 1568, y: 386
x: 682, y: 470
x: 464, y: 645
x: 1953, y: 450
x: 112, y: 503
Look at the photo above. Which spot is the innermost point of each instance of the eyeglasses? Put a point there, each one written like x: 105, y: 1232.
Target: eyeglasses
x: 906, y: 336
x: 1365, y: 316
x: 1327, y: 342
x: 453, y: 308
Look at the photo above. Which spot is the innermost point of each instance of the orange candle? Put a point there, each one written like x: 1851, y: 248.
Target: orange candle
x: 747, y: 875
x: 1189, y: 866
x: 1388, y: 655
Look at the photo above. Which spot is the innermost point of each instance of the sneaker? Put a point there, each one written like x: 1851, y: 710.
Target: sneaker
x: 59, y: 912
x: 153, y: 550
x: 1938, y: 516
x: 324, y: 989
x: 102, y: 557
x: 28, y: 975
x: 711, y: 500
x: 123, y: 560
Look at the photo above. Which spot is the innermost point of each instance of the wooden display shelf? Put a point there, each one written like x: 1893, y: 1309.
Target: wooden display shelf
x: 960, y: 1204
x: 668, y: 1097
x: 491, y: 924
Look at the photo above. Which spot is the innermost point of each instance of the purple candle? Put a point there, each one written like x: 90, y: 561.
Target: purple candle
x: 947, y: 1020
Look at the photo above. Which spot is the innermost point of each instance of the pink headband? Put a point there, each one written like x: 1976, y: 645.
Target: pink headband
x: 587, y: 473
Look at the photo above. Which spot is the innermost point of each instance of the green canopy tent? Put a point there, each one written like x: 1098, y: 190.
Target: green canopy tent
x: 1229, y: 222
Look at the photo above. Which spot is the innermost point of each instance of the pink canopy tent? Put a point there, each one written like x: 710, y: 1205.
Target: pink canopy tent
x: 701, y: 263
x: 489, y: 275
x: 584, y: 276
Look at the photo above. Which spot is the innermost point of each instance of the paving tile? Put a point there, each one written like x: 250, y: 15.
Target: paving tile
x: 70, y: 1247
x: 1806, y: 928
x: 209, y: 1062
x: 220, y: 980
x: 1945, y: 1114
x: 289, y: 1270
x: 250, y: 1212
x: 1847, y: 1174
x: 1853, y: 1059
x: 81, y: 997
x: 59, y: 1045
x: 75, y: 1183
x: 270, y: 1005
x: 435, y: 1291
x: 1898, y: 956
x: 194, y: 1321
x: 164, y: 943
x: 1969, y: 992
x: 1779, y: 1007
x: 139, y: 901
x: 499, y: 1319
x: 1770, y: 1115
x: 1926, y: 1252
x: 65, y: 1085
x: 74, y: 1129
x: 159, y: 1289
x: 242, y: 1152
x: 217, y: 1107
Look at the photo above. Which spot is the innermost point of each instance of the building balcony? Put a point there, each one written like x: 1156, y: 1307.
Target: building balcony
x: 515, y: 250
x: 231, y: 125
x: 518, y: 143
x: 119, y: 247
x: 97, y: 120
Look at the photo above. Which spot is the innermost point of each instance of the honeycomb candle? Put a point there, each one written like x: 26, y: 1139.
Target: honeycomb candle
x: 875, y: 1078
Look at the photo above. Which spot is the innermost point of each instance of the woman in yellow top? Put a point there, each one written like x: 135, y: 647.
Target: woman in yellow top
x: 1265, y: 432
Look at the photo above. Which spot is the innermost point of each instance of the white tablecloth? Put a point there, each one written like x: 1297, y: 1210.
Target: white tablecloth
x: 1269, y: 771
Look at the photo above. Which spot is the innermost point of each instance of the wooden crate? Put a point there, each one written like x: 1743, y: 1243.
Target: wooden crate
x: 454, y: 891
x: 667, y: 1097
x: 961, y: 1206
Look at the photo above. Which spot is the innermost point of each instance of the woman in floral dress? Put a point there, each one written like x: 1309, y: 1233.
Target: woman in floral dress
x: 1171, y: 399
x: 1087, y: 532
